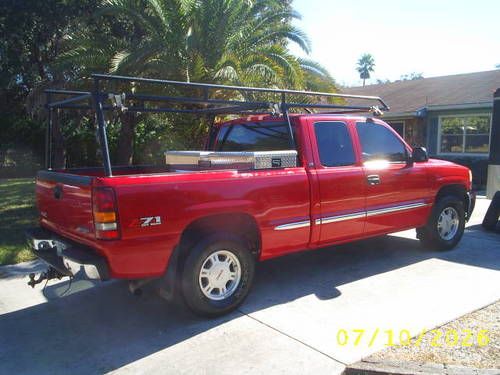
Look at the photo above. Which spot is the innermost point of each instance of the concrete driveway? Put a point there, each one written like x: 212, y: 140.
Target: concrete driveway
x: 289, y: 324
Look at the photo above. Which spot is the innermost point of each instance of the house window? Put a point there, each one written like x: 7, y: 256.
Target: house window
x: 399, y: 126
x: 468, y: 134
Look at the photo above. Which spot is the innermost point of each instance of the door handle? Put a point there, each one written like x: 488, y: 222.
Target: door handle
x: 373, y: 179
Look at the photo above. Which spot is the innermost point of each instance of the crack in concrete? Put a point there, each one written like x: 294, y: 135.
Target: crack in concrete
x: 293, y: 338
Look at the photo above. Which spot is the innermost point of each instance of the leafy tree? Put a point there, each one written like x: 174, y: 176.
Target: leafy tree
x: 365, y: 66
x: 32, y: 33
x: 412, y: 76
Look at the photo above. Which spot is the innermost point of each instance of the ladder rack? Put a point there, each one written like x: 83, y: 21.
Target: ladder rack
x: 133, y: 94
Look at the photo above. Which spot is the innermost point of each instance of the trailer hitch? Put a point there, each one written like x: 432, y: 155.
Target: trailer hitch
x: 50, y: 274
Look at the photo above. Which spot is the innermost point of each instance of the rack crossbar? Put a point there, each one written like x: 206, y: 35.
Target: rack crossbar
x: 110, y: 77
x: 69, y: 100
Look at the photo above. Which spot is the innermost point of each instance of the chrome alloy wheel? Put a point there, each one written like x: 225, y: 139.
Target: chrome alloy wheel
x: 220, y: 275
x: 448, y: 223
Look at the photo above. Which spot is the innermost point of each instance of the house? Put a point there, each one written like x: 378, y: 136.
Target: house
x: 451, y: 115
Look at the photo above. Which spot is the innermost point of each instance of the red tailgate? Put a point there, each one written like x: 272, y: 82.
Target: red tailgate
x: 65, y: 203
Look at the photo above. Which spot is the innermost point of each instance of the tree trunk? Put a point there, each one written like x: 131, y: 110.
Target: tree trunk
x: 126, y: 139
x: 363, y: 82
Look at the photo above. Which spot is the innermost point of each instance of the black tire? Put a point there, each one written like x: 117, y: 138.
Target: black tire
x: 192, y: 293
x: 491, y: 218
x: 429, y: 235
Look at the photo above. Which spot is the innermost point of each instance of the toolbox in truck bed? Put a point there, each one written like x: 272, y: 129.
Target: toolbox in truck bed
x: 230, y: 160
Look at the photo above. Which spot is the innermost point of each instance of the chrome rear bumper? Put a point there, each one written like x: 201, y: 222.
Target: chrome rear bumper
x: 68, y: 258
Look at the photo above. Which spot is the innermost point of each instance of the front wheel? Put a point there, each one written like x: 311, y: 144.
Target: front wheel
x: 446, y: 225
x: 217, y: 275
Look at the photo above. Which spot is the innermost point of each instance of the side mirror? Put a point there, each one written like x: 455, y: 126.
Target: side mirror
x: 419, y: 154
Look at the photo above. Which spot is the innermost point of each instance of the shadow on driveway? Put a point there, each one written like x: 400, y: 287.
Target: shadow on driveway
x: 105, y: 328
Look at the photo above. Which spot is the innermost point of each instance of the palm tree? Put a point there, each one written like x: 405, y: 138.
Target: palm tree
x: 366, y: 65
x: 221, y: 41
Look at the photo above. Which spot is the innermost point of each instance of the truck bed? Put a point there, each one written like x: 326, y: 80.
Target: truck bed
x: 156, y: 204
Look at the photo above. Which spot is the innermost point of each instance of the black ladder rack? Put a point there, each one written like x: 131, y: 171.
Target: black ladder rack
x: 201, y: 100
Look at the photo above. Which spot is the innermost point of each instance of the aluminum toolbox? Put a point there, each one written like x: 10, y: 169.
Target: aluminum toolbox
x: 231, y: 160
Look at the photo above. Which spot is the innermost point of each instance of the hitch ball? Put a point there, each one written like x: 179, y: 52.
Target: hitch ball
x: 50, y: 274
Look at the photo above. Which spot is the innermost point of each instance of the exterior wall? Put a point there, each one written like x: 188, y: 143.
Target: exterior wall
x: 477, y: 163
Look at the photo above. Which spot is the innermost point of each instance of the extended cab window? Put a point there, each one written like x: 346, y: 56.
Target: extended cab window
x: 254, y: 137
x: 379, y: 143
x: 334, y: 144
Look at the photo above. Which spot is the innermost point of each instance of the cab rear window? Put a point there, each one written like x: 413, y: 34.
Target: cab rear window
x: 334, y: 144
x: 254, y: 137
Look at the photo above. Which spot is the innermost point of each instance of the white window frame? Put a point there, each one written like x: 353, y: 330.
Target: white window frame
x: 486, y: 154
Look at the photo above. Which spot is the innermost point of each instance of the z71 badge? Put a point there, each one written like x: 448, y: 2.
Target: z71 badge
x: 150, y: 221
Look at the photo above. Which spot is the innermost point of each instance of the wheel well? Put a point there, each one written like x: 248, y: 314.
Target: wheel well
x: 239, y: 224
x: 455, y: 190
x: 242, y: 225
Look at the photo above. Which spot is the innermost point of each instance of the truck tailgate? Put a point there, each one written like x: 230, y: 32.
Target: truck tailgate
x: 65, y: 203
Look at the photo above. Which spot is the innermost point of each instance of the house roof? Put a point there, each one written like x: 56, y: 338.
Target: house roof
x: 455, y: 90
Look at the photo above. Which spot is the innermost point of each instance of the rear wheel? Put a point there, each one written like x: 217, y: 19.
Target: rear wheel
x: 445, y: 226
x: 217, y: 275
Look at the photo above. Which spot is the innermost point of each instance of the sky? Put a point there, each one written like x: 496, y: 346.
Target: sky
x: 433, y: 37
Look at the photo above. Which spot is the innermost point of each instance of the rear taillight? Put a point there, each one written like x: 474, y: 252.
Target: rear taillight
x: 105, y: 213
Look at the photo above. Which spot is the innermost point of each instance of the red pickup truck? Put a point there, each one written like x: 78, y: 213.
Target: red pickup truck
x: 198, y: 231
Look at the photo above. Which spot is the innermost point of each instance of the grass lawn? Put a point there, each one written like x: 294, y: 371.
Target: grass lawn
x: 17, y: 212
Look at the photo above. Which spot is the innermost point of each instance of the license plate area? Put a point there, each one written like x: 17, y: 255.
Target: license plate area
x: 44, y: 244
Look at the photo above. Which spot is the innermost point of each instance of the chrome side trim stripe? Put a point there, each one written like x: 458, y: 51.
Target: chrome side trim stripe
x: 298, y: 224
x: 404, y: 207
x: 380, y: 211
x: 355, y: 215
x: 334, y: 219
